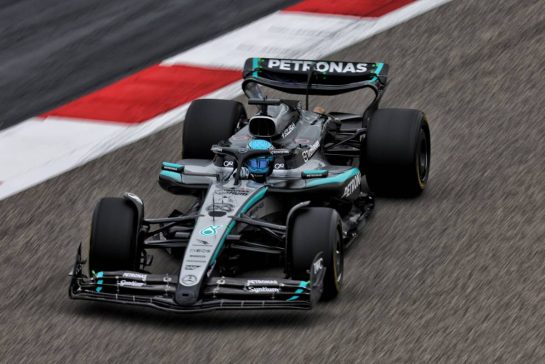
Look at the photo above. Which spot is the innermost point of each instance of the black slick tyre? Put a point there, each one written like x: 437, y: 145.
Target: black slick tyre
x: 114, y: 236
x: 396, y: 159
x: 311, y: 231
x: 208, y: 122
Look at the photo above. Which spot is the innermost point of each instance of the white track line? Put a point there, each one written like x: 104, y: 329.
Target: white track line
x: 280, y: 35
x: 36, y: 150
x: 56, y: 145
x: 295, y: 35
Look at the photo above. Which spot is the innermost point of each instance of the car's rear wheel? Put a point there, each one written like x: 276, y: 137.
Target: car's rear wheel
x: 207, y: 122
x: 311, y: 231
x: 397, y: 152
x: 114, y: 236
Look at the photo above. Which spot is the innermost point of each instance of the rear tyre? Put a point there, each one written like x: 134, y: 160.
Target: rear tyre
x: 114, y: 236
x: 207, y: 122
x: 397, y: 152
x: 311, y: 231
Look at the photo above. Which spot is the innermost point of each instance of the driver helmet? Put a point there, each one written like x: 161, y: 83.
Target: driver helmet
x: 260, y: 166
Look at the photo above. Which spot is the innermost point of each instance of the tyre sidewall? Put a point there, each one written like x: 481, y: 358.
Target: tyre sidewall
x: 207, y: 122
x: 311, y: 231
x: 392, y: 145
x: 114, y: 241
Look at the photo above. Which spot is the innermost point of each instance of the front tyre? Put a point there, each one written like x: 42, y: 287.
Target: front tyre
x: 114, y: 236
x: 311, y: 231
x: 397, y: 152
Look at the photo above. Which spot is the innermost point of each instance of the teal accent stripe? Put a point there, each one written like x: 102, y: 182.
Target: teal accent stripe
x: 171, y: 175
x: 172, y: 165
x: 299, y: 291
x: 220, y: 245
x: 252, y: 201
x: 379, y: 68
x: 315, y: 171
x: 339, y: 178
x: 100, y: 281
x: 255, y: 64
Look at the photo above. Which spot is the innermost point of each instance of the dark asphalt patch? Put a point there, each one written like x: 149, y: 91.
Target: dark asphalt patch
x: 53, y: 51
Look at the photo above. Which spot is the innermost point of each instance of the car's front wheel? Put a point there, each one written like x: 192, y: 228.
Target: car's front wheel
x: 114, y: 236
x: 311, y: 231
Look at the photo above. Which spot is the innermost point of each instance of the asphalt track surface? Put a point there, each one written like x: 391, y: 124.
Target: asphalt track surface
x: 53, y: 51
x: 454, y: 276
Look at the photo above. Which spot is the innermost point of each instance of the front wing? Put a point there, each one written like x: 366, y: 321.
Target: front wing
x: 218, y: 293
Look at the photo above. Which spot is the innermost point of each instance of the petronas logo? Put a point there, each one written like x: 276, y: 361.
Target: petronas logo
x: 210, y: 230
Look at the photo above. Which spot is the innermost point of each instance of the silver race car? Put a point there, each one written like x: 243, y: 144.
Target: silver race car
x: 279, y: 196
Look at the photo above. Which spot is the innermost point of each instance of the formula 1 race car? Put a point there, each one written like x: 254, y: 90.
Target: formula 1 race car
x: 279, y: 196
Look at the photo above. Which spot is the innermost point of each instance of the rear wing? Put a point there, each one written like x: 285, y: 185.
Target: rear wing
x: 308, y: 77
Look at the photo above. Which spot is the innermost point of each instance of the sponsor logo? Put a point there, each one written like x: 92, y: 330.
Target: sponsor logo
x: 263, y: 290
x: 282, y: 151
x: 232, y: 191
x: 200, y: 250
x: 140, y: 276
x: 189, y: 280
x: 279, y: 166
x: 251, y: 282
x: 288, y: 130
x: 202, y: 256
x: 324, y: 66
x: 228, y: 163
x: 225, y: 207
x: 124, y: 283
x: 203, y: 242
x: 318, y: 265
x: 210, y: 230
x: 307, y: 154
x: 191, y: 267
x: 352, y: 186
